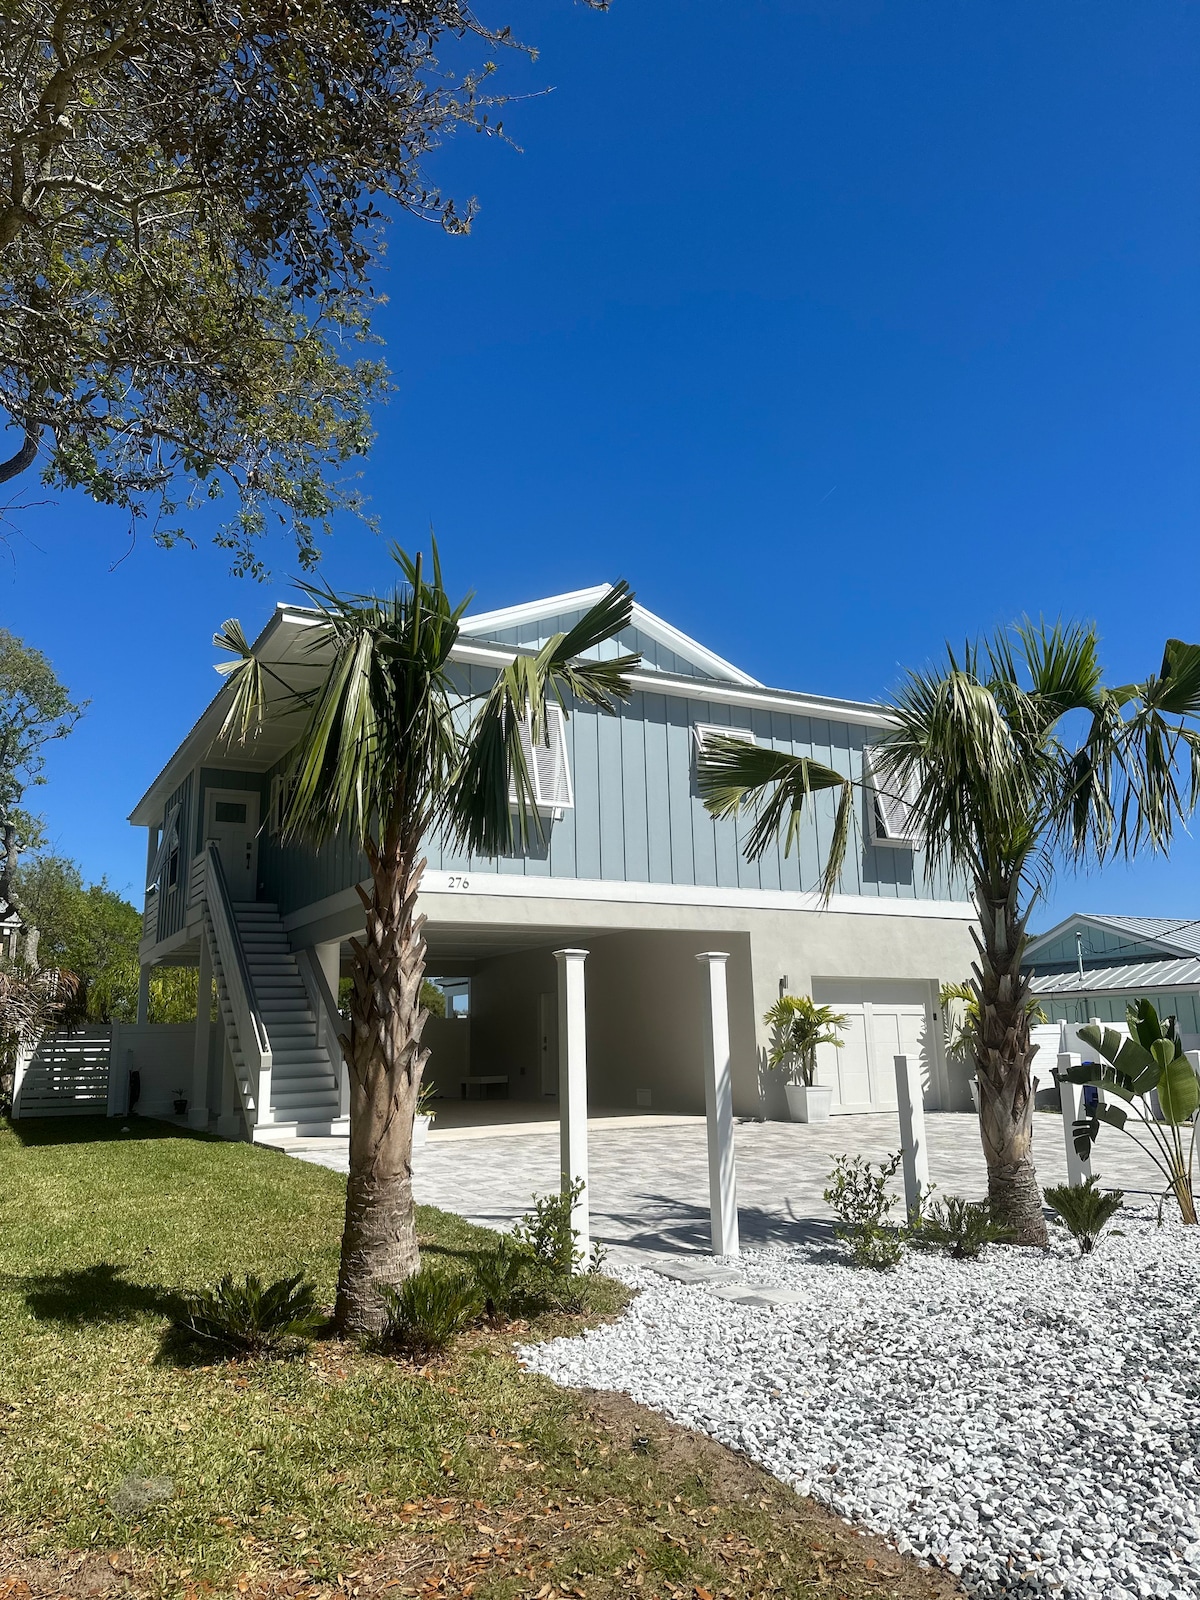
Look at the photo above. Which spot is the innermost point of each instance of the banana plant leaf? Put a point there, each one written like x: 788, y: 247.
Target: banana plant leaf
x: 1127, y: 1055
x: 1179, y: 1091
x: 1092, y: 1076
x: 1084, y: 1131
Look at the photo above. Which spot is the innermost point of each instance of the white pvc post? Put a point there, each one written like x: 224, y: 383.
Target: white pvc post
x: 913, y: 1149
x: 718, y: 1107
x: 1070, y: 1098
x: 572, y: 1087
x: 198, y: 1104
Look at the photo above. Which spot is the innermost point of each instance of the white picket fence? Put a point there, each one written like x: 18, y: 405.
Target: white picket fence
x: 66, y: 1075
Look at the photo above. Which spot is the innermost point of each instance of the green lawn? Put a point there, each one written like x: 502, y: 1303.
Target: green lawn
x: 340, y: 1467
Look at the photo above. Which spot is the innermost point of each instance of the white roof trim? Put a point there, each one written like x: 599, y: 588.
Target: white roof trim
x: 1110, y: 927
x: 580, y: 599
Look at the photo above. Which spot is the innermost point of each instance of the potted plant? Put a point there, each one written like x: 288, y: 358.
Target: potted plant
x: 180, y: 1103
x: 798, y: 1026
x: 423, y: 1115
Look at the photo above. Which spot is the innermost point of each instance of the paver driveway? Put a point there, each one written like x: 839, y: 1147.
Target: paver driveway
x: 649, y: 1179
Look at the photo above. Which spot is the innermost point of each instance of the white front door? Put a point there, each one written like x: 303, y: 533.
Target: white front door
x: 883, y: 1020
x: 231, y: 820
x: 548, y: 1042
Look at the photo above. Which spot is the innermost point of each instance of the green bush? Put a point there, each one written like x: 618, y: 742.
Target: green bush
x: 429, y: 1309
x: 857, y: 1194
x: 1085, y: 1209
x: 961, y: 1227
x: 253, y: 1317
x: 504, y: 1280
x: 546, y: 1232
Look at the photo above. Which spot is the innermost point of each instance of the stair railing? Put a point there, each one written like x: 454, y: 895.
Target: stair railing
x: 247, y: 1019
x: 328, y: 1019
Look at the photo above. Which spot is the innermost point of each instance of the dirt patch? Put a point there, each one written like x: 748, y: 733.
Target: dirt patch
x: 732, y: 1477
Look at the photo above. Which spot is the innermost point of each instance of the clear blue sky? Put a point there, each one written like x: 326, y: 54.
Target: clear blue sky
x: 838, y: 328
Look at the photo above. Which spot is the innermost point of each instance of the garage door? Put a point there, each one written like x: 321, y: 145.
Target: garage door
x: 884, y: 1020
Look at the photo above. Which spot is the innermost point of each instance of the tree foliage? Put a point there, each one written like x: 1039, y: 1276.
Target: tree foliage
x: 93, y: 932
x: 192, y: 201
x: 35, y: 709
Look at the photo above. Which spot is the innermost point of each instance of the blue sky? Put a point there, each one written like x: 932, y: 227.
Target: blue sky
x: 837, y: 328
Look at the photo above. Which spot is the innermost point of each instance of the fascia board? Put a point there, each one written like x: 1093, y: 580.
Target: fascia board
x: 533, y: 610
x: 683, y: 644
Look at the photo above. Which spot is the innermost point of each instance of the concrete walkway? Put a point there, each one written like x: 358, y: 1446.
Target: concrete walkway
x: 649, y: 1175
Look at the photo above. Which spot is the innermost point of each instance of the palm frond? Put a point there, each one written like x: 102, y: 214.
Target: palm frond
x: 494, y: 803
x: 776, y: 786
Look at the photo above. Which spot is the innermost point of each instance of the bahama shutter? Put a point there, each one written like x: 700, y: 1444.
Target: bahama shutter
x: 890, y: 815
x: 547, y: 763
x: 168, y: 842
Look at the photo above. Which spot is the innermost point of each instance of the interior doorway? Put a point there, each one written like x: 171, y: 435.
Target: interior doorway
x: 548, y: 1042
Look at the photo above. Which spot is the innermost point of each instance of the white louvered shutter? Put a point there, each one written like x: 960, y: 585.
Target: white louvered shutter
x: 547, y: 764
x: 891, y: 814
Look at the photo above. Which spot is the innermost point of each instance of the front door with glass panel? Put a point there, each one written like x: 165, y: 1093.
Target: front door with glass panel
x: 231, y: 820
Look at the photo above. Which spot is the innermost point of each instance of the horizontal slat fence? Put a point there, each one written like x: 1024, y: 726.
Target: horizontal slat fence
x: 67, y: 1075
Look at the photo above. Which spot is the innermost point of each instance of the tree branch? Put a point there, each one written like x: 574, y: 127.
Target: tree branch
x: 24, y: 458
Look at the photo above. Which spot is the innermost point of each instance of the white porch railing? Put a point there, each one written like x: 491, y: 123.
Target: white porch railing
x: 253, y: 1071
x: 329, y: 1021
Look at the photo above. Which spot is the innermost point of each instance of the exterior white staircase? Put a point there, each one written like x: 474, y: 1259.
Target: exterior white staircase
x: 278, y: 1017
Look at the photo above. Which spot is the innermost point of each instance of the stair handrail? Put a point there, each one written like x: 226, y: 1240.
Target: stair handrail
x: 251, y: 1029
x: 328, y: 1018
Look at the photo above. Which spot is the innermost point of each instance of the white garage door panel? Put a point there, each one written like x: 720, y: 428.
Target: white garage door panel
x: 883, y: 1020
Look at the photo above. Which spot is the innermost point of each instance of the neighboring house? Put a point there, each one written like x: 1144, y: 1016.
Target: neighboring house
x: 633, y: 869
x: 1090, y: 967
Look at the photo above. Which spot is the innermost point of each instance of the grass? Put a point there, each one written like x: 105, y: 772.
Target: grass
x: 340, y: 1471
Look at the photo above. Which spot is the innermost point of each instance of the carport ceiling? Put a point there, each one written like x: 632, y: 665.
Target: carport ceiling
x: 483, y: 941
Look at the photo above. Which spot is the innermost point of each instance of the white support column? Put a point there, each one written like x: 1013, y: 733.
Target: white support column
x: 143, y: 1003
x: 914, y: 1151
x: 1070, y: 1098
x: 718, y: 1106
x: 572, y: 1086
x: 198, y: 1099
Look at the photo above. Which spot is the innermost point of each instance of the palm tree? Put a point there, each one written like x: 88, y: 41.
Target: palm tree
x: 798, y: 1026
x: 1012, y: 758
x: 392, y: 753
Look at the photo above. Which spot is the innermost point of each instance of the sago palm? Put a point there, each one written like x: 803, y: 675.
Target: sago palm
x: 391, y: 755
x: 1013, y: 756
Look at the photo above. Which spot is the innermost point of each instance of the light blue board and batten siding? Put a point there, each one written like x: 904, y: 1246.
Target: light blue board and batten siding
x: 656, y: 657
x: 1097, y: 942
x: 172, y: 903
x: 638, y: 818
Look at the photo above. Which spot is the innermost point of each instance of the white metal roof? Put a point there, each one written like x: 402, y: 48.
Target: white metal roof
x: 1136, y: 977
x: 1175, y: 935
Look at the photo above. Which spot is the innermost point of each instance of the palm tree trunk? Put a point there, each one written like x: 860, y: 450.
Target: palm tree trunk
x: 385, y: 1063
x: 1004, y: 1053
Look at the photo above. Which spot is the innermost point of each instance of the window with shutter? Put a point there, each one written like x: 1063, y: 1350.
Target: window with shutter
x: 703, y: 733
x: 547, y: 764
x: 891, y: 819
x: 167, y: 843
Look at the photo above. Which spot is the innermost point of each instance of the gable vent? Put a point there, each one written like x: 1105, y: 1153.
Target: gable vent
x: 890, y: 814
x: 547, y: 764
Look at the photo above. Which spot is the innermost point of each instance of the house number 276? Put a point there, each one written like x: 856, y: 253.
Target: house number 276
x: 457, y: 881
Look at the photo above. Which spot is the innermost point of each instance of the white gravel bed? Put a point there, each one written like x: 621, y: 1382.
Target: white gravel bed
x: 1031, y: 1420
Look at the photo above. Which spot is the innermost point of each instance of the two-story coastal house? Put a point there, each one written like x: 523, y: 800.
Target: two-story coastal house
x: 632, y: 869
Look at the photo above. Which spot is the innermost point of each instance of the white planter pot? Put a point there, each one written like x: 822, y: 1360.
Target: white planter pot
x: 420, y: 1129
x: 809, y: 1104
x: 974, y: 1088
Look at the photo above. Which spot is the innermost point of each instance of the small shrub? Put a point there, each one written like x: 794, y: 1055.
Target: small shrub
x: 1085, y: 1209
x: 429, y: 1309
x: 961, y: 1227
x: 858, y: 1196
x: 547, y: 1234
x: 504, y: 1280
x: 251, y: 1316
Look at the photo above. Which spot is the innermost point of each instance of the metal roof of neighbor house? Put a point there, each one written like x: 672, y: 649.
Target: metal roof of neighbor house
x: 1180, y: 935
x: 1138, y: 976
